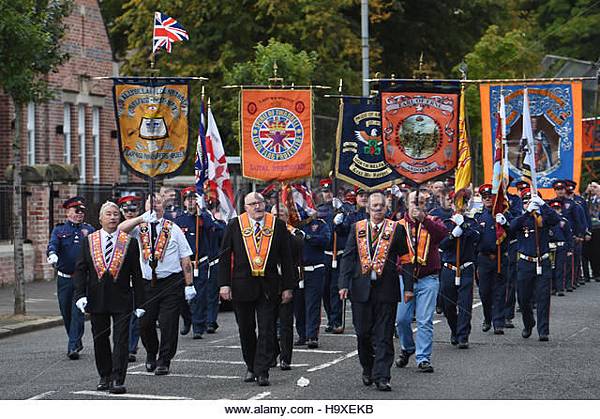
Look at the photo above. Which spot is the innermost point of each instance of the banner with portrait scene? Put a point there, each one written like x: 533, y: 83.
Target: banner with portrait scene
x: 276, y: 131
x: 360, y: 159
x: 591, y: 138
x: 420, y: 128
x: 555, y: 110
x: 152, y: 124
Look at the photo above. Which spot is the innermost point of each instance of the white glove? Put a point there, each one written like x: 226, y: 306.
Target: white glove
x: 149, y: 217
x: 81, y: 303
x: 337, y: 204
x: 396, y: 191
x: 500, y: 219
x: 457, y: 231
x: 199, y: 201
x: 537, y: 199
x: 52, y: 258
x: 338, y: 219
x: 139, y: 312
x: 458, y: 219
x: 532, y: 206
x: 190, y: 293
x: 299, y: 233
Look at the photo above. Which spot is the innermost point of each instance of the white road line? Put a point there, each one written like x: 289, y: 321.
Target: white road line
x: 317, y: 351
x: 335, y: 361
x: 335, y: 334
x: 128, y: 395
x: 42, y: 395
x: 260, y: 396
x: 132, y: 367
x: 220, y: 377
x: 211, y: 361
x: 223, y: 339
x: 477, y: 304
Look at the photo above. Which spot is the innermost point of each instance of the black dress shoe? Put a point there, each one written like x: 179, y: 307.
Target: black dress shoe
x: 560, y: 294
x: 498, y: 331
x: 543, y: 338
x: 569, y: 290
x: 402, y: 360
x: 73, y: 355
x: 527, y: 332
x: 161, y: 370
x: 300, y: 342
x: 211, y: 329
x: 197, y: 336
x: 329, y: 329
x: 104, y: 384
x: 453, y: 340
x: 463, y: 345
x: 284, y: 366
x: 312, y: 344
x: 367, y: 380
x: 185, y: 329
x: 486, y: 326
x: 131, y: 358
x: 117, y: 389
x: 383, y: 386
x: 425, y: 366
x: 150, y: 363
x: 508, y: 324
x: 250, y: 377
x: 263, y: 381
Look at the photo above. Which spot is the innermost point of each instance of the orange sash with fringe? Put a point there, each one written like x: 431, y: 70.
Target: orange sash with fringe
x: 257, y: 252
x: 381, y: 244
x: 423, y: 245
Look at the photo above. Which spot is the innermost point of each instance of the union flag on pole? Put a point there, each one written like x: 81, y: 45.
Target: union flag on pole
x: 166, y: 31
x: 500, y: 177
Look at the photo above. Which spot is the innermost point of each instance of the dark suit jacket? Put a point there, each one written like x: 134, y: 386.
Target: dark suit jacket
x: 105, y: 295
x: 235, y: 272
x: 387, y: 286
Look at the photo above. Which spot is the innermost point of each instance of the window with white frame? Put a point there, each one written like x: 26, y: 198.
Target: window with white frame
x: 96, y: 142
x: 81, y: 134
x: 67, y: 133
x: 31, y: 133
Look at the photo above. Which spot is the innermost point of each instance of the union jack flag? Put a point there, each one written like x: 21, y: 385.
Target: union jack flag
x: 166, y: 31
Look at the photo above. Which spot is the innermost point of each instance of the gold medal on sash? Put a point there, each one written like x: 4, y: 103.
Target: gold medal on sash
x: 258, y: 261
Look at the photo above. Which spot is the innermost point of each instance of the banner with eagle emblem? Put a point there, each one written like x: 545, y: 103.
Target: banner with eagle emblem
x: 360, y: 160
x: 420, y: 128
x: 276, y: 128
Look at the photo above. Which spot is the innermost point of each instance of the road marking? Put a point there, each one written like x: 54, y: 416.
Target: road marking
x: 38, y: 300
x: 132, y: 367
x: 335, y: 361
x: 220, y: 377
x: 223, y: 339
x: 42, y: 395
x: 578, y: 332
x: 317, y: 351
x: 260, y: 396
x: 128, y: 395
x: 211, y: 361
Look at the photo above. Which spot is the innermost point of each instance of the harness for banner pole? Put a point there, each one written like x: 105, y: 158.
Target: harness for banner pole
x: 152, y: 260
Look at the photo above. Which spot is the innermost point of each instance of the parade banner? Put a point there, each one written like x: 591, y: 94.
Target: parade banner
x: 152, y: 124
x: 360, y: 159
x: 420, y: 129
x: 276, y: 131
x: 591, y: 138
x: 555, y: 110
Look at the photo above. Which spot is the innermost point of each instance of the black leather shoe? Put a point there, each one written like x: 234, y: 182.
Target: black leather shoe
x: 211, y: 329
x: 250, y: 377
x: 185, y: 329
x: 197, y: 336
x: 329, y: 329
x: 161, y: 370
x: 402, y: 360
x: 543, y: 338
x: 553, y: 292
x: 425, y: 366
x: 312, y: 344
x: 560, y: 294
x: 300, y: 342
x: 383, y: 386
x: 569, y: 290
x: 498, y: 331
x: 463, y: 345
x: 117, y: 389
x: 263, y: 381
x: 79, y: 347
x: 284, y: 366
x: 104, y: 384
x: 527, y: 331
x: 486, y: 326
x: 131, y: 358
x: 150, y: 363
x: 453, y: 340
x: 73, y: 355
x: 367, y: 380
x: 508, y: 324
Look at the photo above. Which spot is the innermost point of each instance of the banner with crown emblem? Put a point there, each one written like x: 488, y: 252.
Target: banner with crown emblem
x: 360, y: 160
x: 591, y: 139
x: 152, y: 124
x: 276, y: 127
x: 420, y: 128
x: 555, y: 110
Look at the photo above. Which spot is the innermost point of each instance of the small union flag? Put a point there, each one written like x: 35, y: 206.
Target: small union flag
x: 166, y: 31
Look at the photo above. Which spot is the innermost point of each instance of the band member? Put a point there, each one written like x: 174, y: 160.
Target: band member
x: 515, y: 209
x: 456, y: 277
x: 64, y: 248
x: 164, y: 284
x: 492, y: 284
x: 561, y: 247
x: 369, y: 276
x: 254, y: 248
x: 216, y: 237
x: 582, y: 275
x: 103, y: 279
x: 534, y: 269
x: 420, y: 271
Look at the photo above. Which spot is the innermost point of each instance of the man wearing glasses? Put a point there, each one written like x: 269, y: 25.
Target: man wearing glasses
x: 64, y: 248
x: 259, y: 278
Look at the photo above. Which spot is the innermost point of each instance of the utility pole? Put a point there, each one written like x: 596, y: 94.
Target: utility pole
x: 364, y: 39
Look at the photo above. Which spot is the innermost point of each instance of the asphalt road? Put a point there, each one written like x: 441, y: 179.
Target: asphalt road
x: 35, y: 365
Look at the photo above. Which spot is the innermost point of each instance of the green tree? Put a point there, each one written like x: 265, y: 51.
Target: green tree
x: 30, y: 35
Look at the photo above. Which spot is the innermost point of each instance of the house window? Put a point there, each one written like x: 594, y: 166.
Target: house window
x: 67, y: 133
x: 31, y: 133
x: 81, y: 134
x: 96, y: 141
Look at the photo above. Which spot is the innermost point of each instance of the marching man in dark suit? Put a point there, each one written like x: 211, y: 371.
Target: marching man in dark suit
x: 260, y: 246
x: 369, y: 274
x: 107, y: 267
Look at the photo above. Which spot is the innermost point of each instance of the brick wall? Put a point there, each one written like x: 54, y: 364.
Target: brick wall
x: 7, y: 267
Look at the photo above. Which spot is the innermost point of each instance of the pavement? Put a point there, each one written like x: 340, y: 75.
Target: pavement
x: 34, y: 365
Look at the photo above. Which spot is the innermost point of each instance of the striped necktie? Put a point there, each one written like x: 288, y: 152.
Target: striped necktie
x: 108, y: 249
x: 257, y: 233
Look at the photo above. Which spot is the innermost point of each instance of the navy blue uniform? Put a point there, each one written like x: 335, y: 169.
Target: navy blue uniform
x: 574, y: 213
x: 561, y: 243
x: 217, y: 231
x: 65, y: 242
x: 515, y: 209
x: 457, y: 298
x: 528, y: 279
x: 492, y: 285
x: 307, y: 300
x: 582, y: 273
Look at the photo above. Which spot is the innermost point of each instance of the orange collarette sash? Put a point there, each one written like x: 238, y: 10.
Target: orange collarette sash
x: 423, y: 245
x: 161, y: 242
x: 382, y: 246
x: 257, y: 252
x: 118, y: 256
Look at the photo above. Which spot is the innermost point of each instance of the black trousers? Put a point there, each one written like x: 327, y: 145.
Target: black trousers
x: 163, y: 303
x: 113, y: 363
x: 284, y: 345
x: 374, y: 326
x: 258, y: 351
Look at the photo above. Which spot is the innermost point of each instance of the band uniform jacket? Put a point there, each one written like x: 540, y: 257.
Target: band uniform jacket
x: 235, y: 272
x: 387, y: 286
x: 105, y: 294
